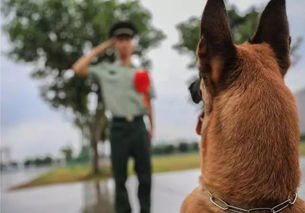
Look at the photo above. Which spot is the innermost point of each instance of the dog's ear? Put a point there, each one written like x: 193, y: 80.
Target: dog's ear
x: 216, y: 51
x: 274, y: 30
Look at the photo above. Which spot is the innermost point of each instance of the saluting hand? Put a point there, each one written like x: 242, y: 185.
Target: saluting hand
x: 100, y: 49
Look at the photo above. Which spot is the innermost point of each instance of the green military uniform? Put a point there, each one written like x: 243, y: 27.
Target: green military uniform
x: 129, y: 137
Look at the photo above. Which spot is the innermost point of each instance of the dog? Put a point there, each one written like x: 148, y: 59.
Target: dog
x: 249, y: 129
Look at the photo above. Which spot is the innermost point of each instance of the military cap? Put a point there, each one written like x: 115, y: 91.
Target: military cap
x: 122, y: 29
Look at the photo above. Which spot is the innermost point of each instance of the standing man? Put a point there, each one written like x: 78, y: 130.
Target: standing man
x: 129, y: 135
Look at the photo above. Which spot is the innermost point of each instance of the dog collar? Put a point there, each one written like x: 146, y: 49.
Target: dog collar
x: 221, y: 204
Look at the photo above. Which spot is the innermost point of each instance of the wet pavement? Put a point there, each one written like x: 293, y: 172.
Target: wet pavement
x: 89, y: 197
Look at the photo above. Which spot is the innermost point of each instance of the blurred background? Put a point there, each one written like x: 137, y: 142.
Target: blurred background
x: 47, y: 113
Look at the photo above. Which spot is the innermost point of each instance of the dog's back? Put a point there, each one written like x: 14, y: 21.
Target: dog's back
x: 250, y: 131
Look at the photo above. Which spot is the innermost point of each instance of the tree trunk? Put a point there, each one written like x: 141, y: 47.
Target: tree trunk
x: 95, y: 160
x: 97, y: 127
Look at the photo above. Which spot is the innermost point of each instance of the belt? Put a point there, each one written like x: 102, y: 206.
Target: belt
x: 127, y: 118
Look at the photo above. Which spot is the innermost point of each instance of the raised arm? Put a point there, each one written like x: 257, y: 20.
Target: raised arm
x: 80, y: 67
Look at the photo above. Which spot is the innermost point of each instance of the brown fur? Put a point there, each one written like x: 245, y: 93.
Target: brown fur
x: 249, y: 148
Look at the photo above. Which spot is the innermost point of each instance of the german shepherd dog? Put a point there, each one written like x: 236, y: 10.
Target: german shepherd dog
x: 249, y: 128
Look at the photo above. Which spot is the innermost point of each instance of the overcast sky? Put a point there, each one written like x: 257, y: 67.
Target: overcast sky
x: 30, y: 127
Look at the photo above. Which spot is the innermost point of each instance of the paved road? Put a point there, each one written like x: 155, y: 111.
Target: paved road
x: 88, y: 197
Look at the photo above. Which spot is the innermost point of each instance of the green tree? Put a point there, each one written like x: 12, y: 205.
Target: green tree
x: 53, y: 34
x: 84, y: 154
x: 183, y: 147
x: 67, y: 153
x: 194, y: 146
x: 28, y: 162
x: 242, y: 27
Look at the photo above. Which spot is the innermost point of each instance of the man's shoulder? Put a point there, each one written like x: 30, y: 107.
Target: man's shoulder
x: 97, y: 69
x: 139, y: 68
x: 102, y: 64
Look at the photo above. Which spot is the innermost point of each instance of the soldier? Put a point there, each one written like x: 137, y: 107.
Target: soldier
x: 129, y: 135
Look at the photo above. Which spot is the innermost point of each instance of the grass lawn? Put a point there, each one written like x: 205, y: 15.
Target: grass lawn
x: 165, y: 163
x: 82, y: 173
x: 302, y: 148
x: 64, y: 175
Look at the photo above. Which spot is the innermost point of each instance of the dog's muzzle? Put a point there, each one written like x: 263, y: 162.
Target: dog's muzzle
x: 195, y: 92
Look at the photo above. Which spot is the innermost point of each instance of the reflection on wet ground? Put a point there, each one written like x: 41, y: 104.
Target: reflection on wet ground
x: 92, y: 197
x: 98, y: 197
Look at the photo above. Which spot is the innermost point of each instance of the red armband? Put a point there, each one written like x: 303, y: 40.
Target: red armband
x: 142, y: 85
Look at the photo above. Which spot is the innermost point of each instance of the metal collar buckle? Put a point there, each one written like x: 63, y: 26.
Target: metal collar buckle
x: 129, y: 118
x: 226, y: 207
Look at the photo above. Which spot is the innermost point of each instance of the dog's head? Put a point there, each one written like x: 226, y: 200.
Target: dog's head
x: 226, y: 69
